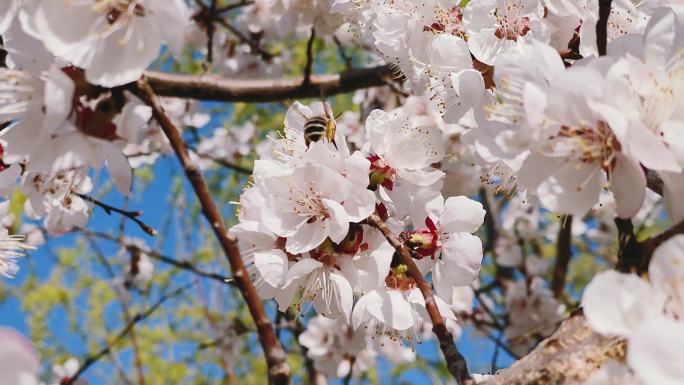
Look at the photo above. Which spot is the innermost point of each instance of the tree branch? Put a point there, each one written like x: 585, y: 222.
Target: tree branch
x: 602, y: 26
x: 260, y: 91
x: 279, y: 370
x: 630, y: 252
x: 456, y: 363
x: 568, y: 356
x: 563, y: 255
x: 92, y: 359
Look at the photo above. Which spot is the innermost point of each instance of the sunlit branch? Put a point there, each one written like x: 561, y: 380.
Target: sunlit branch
x: 92, y: 359
x: 279, y: 369
x: 569, y: 356
x: 456, y: 363
x: 216, y: 88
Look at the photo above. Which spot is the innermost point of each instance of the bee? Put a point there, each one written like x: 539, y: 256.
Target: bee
x: 318, y: 127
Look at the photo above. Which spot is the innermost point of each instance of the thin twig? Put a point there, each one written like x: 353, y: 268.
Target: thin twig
x: 456, y: 363
x: 132, y: 215
x: 653, y: 242
x: 497, y: 348
x: 279, y: 369
x: 602, y: 26
x: 237, y: 5
x: 183, y: 265
x: 308, y: 68
x: 563, y: 255
x: 253, y: 45
x: 340, y: 49
x: 92, y: 359
x: 222, y: 162
x: 210, y: 31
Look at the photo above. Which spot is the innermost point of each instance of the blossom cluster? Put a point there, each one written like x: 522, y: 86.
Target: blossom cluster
x: 303, y: 231
x: 558, y: 127
x: 515, y: 93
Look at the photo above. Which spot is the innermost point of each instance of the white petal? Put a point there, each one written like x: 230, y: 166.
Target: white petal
x: 118, y: 167
x: 308, y: 236
x: 301, y: 269
x: 272, y: 266
x: 461, y: 214
x: 462, y: 254
x: 17, y: 357
x: 616, y: 303
x: 628, y: 184
x: 361, y: 311
x: 338, y: 221
x: 655, y: 352
x: 344, y: 294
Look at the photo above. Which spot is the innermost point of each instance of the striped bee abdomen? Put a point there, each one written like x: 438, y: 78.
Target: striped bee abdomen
x: 315, y: 129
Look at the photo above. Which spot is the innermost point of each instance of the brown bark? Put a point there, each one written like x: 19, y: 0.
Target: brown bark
x: 568, y: 357
x: 258, y: 90
x: 278, y: 368
x: 456, y: 363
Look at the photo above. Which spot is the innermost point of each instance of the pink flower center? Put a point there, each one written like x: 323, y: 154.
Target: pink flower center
x: 512, y: 23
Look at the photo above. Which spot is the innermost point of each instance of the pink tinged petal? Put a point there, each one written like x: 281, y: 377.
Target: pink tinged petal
x: 18, y: 357
x: 650, y: 150
x: 361, y: 312
x: 118, y: 167
x: 444, y: 309
x: 377, y: 123
x: 672, y: 194
x: 284, y: 296
x: 573, y: 189
x: 272, y: 266
x: 659, y: 37
x: 308, y: 236
x: 469, y: 84
x: 395, y: 311
x: 359, y: 205
x: 425, y: 265
x: 673, y: 136
x: 628, y: 184
x: 174, y: 13
x: 115, y: 63
x: 461, y: 214
x: 442, y: 281
x: 301, y: 269
x: 666, y: 272
x: 8, y: 176
x: 357, y: 169
x: 344, y: 296
x: 616, y: 303
x: 534, y: 103
x: 421, y: 177
x: 58, y: 97
x: 655, y: 352
x: 462, y: 254
x: 324, y: 180
x: 338, y: 221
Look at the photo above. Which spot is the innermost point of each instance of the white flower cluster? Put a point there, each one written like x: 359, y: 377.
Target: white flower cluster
x: 560, y: 135
x: 303, y: 236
